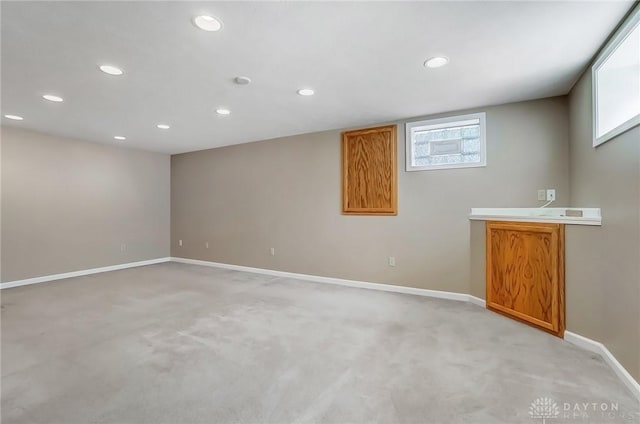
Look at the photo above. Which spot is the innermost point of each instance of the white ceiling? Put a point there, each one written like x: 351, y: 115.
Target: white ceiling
x: 363, y: 59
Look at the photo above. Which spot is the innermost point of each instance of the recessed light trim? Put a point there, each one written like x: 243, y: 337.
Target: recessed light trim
x: 242, y: 80
x: 53, y: 98
x: 208, y: 23
x: 223, y: 111
x: 436, y: 62
x: 111, y: 70
x: 119, y: 137
x: 14, y: 117
x: 306, y: 92
x: 163, y: 126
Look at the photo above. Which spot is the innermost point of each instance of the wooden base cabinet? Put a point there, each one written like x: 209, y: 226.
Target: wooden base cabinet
x: 525, y: 273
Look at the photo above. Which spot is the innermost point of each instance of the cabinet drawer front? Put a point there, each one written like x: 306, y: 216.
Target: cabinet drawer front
x: 525, y: 277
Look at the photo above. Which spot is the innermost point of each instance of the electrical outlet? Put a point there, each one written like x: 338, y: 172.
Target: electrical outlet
x: 272, y: 251
x: 392, y: 261
x: 542, y: 194
x: 206, y: 245
x: 180, y: 243
x: 551, y: 194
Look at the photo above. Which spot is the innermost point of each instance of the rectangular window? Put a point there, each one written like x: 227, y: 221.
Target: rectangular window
x: 616, y: 83
x: 453, y: 142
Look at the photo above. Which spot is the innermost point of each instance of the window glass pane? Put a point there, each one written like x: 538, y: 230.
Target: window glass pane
x: 618, y: 85
x: 451, y: 145
x: 452, y: 142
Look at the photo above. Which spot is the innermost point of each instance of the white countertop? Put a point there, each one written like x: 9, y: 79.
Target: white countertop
x: 590, y: 216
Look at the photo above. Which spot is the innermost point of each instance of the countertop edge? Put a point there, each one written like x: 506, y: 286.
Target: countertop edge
x: 548, y: 219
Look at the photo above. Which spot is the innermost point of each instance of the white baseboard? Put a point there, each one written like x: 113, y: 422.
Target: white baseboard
x: 338, y: 281
x: 53, y: 277
x: 600, y: 349
x: 477, y: 301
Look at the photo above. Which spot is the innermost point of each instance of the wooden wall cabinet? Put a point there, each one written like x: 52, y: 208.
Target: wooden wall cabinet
x: 525, y: 273
x: 369, y: 171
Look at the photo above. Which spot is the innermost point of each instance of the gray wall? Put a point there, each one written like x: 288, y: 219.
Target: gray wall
x: 285, y: 193
x: 603, y: 265
x: 477, y: 241
x: 69, y: 205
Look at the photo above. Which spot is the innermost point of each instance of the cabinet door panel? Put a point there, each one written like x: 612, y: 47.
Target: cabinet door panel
x: 525, y: 273
x: 369, y: 185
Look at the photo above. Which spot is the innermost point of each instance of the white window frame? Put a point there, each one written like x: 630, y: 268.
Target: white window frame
x: 611, y: 46
x: 410, y: 126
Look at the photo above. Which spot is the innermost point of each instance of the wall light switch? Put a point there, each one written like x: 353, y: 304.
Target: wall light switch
x: 272, y: 251
x: 392, y: 261
x: 180, y: 243
x: 206, y: 245
x: 542, y: 194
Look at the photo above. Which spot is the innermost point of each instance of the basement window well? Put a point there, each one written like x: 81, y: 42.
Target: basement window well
x: 453, y: 142
x: 616, y: 83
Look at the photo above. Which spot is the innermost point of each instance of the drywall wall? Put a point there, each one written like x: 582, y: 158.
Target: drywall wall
x: 603, y: 264
x: 477, y: 242
x: 285, y: 193
x: 69, y: 205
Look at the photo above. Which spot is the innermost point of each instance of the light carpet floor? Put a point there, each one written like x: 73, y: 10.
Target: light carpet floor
x: 175, y: 343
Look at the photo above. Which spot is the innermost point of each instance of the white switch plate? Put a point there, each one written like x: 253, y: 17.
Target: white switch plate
x: 272, y: 251
x: 180, y: 243
x: 551, y: 194
x: 542, y: 194
x: 392, y: 261
x: 206, y: 245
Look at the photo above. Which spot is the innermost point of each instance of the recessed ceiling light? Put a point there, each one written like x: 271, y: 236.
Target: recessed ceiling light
x: 14, y: 117
x: 306, y: 92
x: 53, y: 98
x: 207, y: 23
x: 223, y: 111
x: 436, y: 62
x: 163, y: 126
x: 111, y: 70
x: 119, y: 137
x: 242, y: 80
